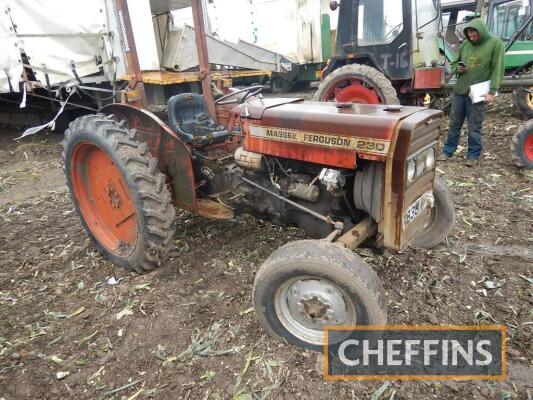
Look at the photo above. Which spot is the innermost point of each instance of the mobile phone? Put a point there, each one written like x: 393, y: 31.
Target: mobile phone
x: 461, y: 64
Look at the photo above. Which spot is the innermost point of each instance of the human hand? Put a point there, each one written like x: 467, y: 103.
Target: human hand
x: 489, y: 98
x: 461, y: 69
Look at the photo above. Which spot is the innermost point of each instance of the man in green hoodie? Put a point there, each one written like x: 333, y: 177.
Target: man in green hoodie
x: 480, y: 58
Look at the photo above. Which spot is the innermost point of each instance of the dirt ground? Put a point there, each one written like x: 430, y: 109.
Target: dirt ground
x: 75, y: 326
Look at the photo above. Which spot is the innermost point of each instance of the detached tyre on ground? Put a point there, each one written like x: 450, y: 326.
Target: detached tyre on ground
x: 308, y: 284
x: 524, y: 101
x: 441, y: 220
x: 357, y: 83
x: 522, y: 146
x: 118, y: 192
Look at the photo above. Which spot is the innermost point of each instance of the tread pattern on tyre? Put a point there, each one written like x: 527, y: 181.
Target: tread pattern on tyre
x: 371, y: 75
x: 520, y: 97
x: 157, y: 209
x: 517, y: 145
x: 437, y: 232
x: 332, y: 254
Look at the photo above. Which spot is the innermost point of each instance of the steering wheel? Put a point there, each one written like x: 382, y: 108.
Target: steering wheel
x: 248, y: 92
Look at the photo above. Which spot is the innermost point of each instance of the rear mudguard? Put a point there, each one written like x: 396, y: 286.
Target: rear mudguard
x: 173, y: 156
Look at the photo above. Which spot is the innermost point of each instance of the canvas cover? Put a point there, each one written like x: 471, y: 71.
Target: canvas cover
x: 59, y: 34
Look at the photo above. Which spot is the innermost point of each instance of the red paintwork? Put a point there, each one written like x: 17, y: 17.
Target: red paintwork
x: 354, y: 92
x: 173, y: 156
x: 528, y: 147
x: 104, y: 199
x: 428, y: 78
x: 359, y: 120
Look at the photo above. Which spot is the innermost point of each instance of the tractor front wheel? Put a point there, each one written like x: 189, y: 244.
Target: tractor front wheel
x: 524, y: 101
x: 357, y: 83
x: 306, y: 285
x: 118, y: 192
x: 522, y: 146
x: 441, y: 219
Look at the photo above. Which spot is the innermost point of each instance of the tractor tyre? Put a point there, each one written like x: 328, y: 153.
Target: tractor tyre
x: 524, y: 101
x: 522, y: 146
x: 308, y: 284
x: 441, y: 220
x: 357, y: 83
x: 118, y: 192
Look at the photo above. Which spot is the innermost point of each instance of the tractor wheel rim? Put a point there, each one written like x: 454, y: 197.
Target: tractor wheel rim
x: 352, y: 91
x: 304, y: 305
x: 528, y: 147
x: 104, y: 199
x: 529, y: 99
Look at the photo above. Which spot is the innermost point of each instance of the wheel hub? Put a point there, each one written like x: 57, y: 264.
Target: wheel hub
x: 314, y: 308
x: 529, y: 99
x: 114, y: 198
x: 104, y: 199
x: 306, y: 305
x: 352, y: 91
x: 356, y: 93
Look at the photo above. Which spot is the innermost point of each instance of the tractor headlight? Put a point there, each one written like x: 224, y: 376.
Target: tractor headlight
x: 411, y: 170
x: 430, y: 159
x: 420, y: 163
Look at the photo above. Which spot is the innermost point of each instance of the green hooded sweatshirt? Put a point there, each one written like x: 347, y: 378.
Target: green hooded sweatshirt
x: 484, y: 60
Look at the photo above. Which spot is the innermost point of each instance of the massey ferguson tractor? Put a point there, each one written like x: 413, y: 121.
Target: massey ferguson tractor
x: 347, y: 174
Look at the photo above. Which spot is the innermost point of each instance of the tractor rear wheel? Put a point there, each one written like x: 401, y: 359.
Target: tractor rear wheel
x: 306, y: 285
x: 524, y: 101
x: 118, y: 192
x: 522, y: 146
x: 441, y: 220
x: 357, y: 83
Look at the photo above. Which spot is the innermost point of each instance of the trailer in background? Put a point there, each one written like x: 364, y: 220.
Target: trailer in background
x: 82, y: 51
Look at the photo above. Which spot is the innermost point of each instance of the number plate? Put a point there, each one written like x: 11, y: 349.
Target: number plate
x: 417, y: 207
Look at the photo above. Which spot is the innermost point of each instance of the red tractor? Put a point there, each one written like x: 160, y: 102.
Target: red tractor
x: 346, y: 173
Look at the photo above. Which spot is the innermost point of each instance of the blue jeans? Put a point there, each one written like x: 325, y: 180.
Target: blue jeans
x: 462, y: 108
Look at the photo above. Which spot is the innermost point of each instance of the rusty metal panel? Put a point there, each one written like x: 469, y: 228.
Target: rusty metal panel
x: 428, y: 78
x: 365, y: 120
x: 323, y: 133
x: 256, y: 108
x: 173, y: 156
x: 331, y: 157
x: 415, y: 132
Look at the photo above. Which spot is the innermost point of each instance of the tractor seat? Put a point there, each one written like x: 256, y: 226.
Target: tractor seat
x: 189, y: 118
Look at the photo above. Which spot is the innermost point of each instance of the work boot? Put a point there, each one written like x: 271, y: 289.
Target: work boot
x: 443, y: 157
x: 472, y: 162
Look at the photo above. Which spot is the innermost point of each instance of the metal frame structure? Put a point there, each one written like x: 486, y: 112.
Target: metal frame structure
x: 137, y: 94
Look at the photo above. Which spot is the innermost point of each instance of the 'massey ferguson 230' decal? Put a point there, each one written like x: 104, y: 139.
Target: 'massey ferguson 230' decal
x: 364, y: 145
